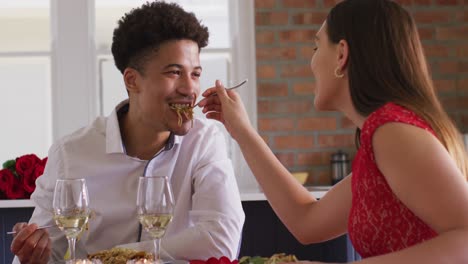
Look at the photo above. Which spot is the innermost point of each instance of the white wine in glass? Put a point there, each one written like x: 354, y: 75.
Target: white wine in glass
x: 71, y: 209
x: 155, y: 206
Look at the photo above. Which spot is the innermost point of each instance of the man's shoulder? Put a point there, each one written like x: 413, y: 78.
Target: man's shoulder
x: 96, y: 129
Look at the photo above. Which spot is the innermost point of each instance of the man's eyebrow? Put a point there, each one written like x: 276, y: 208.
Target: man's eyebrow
x: 179, y: 66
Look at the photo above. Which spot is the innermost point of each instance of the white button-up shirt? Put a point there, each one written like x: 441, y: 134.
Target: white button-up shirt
x: 208, y: 215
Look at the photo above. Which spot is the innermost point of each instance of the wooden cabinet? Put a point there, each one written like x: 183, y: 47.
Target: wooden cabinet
x: 9, y: 217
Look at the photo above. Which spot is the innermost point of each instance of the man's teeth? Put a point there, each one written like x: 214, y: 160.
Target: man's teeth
x: 181, y: 105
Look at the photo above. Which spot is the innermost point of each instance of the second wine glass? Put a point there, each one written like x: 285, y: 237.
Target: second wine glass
x: 155, y: 206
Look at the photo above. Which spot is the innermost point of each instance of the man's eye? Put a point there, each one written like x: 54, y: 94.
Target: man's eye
x: 196, y: 74
x: 315, y: 48
x: 175, y: 72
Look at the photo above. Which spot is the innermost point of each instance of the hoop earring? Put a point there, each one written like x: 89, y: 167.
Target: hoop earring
x: 338, y: 75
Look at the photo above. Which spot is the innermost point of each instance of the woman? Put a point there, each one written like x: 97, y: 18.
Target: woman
x: 406, y: 200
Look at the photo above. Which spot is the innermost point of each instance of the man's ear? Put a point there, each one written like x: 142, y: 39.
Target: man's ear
x: 343, y: 54
x: 130, y: 77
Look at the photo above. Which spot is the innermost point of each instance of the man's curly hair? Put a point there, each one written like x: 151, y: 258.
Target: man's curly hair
x: 141, y: 32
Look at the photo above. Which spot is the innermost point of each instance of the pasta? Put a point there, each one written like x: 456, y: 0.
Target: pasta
x: 185, y: 110
x: 119, y: 255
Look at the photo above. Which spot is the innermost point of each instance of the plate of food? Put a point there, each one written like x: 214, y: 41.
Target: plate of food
x: 121, y: 256
x: 276, y: 258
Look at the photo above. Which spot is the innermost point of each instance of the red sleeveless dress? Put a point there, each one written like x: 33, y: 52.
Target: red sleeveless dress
x: 379, y: 222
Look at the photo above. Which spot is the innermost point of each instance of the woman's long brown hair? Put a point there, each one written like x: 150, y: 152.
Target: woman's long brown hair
x: 386, y: 64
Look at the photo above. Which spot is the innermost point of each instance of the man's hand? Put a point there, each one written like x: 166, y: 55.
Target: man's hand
x: 30, y: 245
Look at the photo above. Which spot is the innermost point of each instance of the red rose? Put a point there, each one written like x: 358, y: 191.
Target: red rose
x: 16, y: 191
x: 25, y: 164
x: 6, y: 180
x: 29, y: 179
x: 213, y: 260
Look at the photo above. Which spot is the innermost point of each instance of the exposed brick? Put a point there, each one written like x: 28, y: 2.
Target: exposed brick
x: 266, y: 71
x: 275, y: 124
x: 346, y: 140
x: 272, y: 89
x: 426, y: 33
x: 299, y: 3
x: 309, y: 18
x: 346, y: 123
x: 462, y: 85
x: 263, y: 107
x: 313, y: 158
x: 296, y: 35
x: 446, y: 2
x: 296, y: 70
x: 422, y: 2
x: 455, y: 103
x: 316, y: 123
x: 307, y: 51
x: 430, y: 17
x: 436, y: 50
x: 264, y: 37
x: 330, y: 3
x: 462, y: 16
x: 306, y: 88
x: 276, y: 53
x: 450, y: 67
x: 287, y: 159
x: 271, y: 18
x: 265, y: 3
x: 462, y: 50
x: 287, y: 106
x: 404, y: 2
x: 444, y: 85
x: 319, y: 177
x: 464, y: 122
x: 294, y: 142
x: 452, y: 33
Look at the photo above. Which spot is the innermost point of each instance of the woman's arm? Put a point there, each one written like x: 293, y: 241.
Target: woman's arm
x: 308, y: 220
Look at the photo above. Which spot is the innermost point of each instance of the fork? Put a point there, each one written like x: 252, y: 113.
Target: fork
x: 40, y: 227
x: 229, y: 88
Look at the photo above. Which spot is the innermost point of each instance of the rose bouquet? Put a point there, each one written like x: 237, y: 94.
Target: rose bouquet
x: 18, y: 176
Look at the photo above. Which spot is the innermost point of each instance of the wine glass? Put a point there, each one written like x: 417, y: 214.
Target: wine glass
x: 155, y: 206
x: 71, y: 209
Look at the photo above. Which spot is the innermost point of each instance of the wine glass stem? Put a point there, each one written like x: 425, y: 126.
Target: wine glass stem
x: 157, y: 247
x: 71, y: 247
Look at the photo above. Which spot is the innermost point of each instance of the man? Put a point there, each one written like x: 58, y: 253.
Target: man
x: 156, y: 47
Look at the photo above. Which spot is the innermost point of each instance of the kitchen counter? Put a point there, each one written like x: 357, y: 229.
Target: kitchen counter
x: 246, y: 195
x: 256, y: 195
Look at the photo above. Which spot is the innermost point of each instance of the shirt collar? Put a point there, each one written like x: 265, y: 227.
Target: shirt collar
x: 114, y: 143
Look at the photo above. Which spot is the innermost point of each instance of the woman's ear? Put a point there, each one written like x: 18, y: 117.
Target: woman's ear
x: 130, y: 77
x: 343, y: 54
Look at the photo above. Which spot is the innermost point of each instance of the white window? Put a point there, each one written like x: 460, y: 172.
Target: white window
x: 58, y: 74
x: 217, y: 58
x: 25, y: 78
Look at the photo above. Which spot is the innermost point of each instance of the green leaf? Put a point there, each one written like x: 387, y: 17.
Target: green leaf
x: 9, y: 164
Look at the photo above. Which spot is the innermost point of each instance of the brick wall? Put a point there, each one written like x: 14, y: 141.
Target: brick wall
x: 302, y: 138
